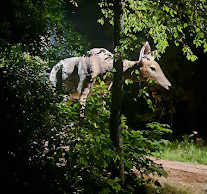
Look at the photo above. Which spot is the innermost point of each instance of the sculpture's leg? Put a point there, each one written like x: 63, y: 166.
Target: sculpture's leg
x: 83, y: 98
x: 111, y: 84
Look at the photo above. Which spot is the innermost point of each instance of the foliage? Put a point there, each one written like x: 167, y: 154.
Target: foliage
x: 63, y: 44
x: 85, y: 151
x: 29, y: 112
x: 26, y: 89
x: 184, y: 151
x: 47, y: 133
x: 144, y: 93
x: 42, y: 27
x: 27, y: 21
x: 163, y: 21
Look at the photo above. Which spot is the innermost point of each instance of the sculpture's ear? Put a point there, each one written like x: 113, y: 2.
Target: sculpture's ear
x: 144, y: 51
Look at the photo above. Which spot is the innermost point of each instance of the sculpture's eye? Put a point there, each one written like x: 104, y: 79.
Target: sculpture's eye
x: 152, y: 68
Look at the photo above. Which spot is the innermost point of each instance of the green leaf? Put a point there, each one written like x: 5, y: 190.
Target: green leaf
x: 101, y: 21
x: 128, y: 81
x: 193, y: 58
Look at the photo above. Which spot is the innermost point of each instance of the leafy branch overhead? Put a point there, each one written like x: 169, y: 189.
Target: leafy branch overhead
x: 163, y: 21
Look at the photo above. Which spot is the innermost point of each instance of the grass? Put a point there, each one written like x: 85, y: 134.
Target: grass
x: 167, y: 188
x: 184, y: 151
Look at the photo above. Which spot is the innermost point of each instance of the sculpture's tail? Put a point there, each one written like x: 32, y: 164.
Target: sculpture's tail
x: 53, y: 75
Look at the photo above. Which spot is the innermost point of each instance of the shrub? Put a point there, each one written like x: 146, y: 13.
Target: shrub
x: 86, y: 152
x: 29, y: 112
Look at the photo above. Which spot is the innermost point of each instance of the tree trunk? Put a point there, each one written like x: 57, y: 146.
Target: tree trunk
x: 117, y: 94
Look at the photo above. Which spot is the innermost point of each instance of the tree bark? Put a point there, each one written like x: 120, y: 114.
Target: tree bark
x: 117, y: 94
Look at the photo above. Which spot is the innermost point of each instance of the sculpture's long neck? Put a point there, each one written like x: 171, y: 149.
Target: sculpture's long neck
x: 128, y: 64
x: 129, y: 67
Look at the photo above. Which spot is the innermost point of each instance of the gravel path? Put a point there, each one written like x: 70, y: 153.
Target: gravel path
x: 189, y: 177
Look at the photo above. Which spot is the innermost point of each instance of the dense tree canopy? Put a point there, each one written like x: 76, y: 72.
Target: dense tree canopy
x: 161, y: 21
x: 40, y: 26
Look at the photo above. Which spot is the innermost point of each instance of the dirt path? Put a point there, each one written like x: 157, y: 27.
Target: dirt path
x: 189, y: 178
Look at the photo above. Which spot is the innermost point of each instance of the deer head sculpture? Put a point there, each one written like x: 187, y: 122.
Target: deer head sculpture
x: 150, y: 68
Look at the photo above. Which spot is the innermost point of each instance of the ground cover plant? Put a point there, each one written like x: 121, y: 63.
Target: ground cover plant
x: 184, y: 151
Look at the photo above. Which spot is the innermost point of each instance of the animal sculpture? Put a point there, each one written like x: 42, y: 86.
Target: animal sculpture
x: 77, y: 73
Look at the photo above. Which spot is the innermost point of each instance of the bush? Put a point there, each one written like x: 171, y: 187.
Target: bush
x: 29, y: 112
x: 86, y: 152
